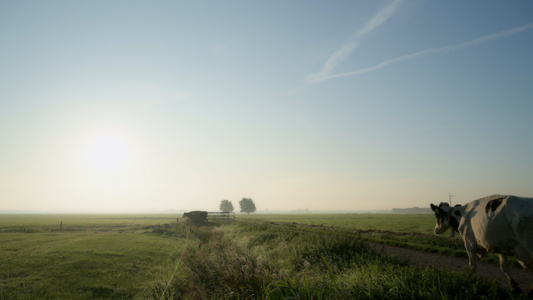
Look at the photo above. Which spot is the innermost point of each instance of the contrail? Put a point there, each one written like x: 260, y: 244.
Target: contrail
x: 339, y: 55
x: 431, y: 51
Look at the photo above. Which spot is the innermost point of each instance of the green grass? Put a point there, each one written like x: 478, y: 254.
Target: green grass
x: 92, y: 257
x: 263, y: 257
x: 423, y: 223
x: 263, y: 261
x: 50, y: 222
x: 413, y: 231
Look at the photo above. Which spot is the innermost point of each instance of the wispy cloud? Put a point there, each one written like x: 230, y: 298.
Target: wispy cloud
x: 338, y: 56
x: 432, y: 51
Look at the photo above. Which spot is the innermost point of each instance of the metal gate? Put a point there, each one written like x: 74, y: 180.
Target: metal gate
x: 220, y: 216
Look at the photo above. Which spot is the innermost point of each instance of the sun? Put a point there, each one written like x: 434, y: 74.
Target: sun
x: 107, y: 154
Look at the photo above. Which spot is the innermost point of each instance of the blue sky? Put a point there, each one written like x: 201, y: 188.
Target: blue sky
x: 356, y: 105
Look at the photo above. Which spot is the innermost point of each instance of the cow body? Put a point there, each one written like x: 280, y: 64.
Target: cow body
x: 497, y: 224
x: 196, y: 217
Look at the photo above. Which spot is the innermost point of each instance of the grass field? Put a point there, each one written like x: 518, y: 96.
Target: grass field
x: 423, y: 223
x: 414, y: 231
x: 93, y: 256
x: 258, y: 257
x: 261, y: 260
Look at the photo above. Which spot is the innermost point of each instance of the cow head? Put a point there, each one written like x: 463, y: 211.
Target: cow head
x: 447, y: 217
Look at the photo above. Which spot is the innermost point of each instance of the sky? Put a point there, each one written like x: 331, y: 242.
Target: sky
x: 344, y: 105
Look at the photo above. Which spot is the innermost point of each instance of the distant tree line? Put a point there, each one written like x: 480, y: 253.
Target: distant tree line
x: 411, y: 210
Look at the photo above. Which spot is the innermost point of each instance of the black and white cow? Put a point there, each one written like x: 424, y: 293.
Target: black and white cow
x: 196, y: 217
x: 498, y: 224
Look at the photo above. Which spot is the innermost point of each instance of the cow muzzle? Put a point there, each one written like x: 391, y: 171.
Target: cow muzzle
x: 440, y: 229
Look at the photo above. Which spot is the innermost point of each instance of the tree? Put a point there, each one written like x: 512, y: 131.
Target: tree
x: 226, y: 206
x: 247, y: 205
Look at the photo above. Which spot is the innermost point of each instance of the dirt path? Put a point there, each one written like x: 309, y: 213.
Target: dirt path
x: 458, y: 264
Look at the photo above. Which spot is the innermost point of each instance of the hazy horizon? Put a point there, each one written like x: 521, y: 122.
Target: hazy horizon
x: 180, y: 211
x: 350, y: 105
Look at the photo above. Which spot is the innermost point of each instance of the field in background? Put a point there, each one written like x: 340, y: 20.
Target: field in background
x: 423, y: 223
x: 72, y: 221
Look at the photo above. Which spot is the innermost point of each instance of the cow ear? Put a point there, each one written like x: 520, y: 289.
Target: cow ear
x: 434, y: 208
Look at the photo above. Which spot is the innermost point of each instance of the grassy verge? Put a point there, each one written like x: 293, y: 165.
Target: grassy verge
x: 262, y: 261
x: 412, y: 231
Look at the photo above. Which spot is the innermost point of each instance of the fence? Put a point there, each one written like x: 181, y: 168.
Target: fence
x: 220, y: 216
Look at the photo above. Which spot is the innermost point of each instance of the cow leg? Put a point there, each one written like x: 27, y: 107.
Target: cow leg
x: 504, y: 266
x: 471, y: 256
x: 525, y: 258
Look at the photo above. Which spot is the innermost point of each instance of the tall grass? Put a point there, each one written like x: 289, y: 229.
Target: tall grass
x: 401, y: 230
x: 264, y: 262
